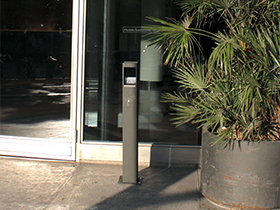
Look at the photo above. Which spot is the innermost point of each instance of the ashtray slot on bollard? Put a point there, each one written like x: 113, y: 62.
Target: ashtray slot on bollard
x: 130, y: 123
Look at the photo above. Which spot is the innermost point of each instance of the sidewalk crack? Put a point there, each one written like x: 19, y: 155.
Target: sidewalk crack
x: 63, y: 186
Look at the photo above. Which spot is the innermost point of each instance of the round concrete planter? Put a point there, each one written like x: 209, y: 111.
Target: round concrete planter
x: 246, y: 176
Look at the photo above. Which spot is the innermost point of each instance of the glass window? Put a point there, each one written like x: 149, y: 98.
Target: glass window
x: 35, y: 60
x: 113, y: 36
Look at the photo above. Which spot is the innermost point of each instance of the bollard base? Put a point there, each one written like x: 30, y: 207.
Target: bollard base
x: 139, y: 181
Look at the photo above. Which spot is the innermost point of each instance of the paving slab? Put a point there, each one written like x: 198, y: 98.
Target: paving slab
x: 44, y: 185
x: 31, y: 184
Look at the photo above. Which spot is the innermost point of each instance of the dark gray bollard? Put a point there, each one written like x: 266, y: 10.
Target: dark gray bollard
x: 130, y: 123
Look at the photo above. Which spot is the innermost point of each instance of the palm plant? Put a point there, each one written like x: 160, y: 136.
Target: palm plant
x: 235, y: 89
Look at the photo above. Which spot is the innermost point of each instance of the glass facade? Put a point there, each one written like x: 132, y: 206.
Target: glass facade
x: 35, y: 60
x: 113, y: 36
x: 35, y: 67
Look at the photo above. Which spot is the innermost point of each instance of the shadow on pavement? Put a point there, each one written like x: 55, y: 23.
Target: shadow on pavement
x: 162, y: 188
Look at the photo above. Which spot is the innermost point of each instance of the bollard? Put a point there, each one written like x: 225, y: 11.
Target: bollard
x: 130, y: 122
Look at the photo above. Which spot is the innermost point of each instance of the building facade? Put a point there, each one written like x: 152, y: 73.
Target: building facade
x: 61, y: 82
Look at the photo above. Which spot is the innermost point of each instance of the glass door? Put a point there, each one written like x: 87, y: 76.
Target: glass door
x: 106, y: 48
x: 35, y: 80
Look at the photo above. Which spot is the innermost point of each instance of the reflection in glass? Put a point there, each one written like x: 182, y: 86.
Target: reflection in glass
x: 35, y: 69
x: 113, y: 35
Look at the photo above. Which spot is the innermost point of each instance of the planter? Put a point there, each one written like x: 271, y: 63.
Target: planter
x: 246, y: 176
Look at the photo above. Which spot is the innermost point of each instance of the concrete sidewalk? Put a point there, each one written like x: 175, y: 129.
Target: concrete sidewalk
x: 29, y: 184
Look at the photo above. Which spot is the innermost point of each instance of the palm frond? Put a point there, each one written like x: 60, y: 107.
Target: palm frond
x: 235, y: 91
x: 177, y: 38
